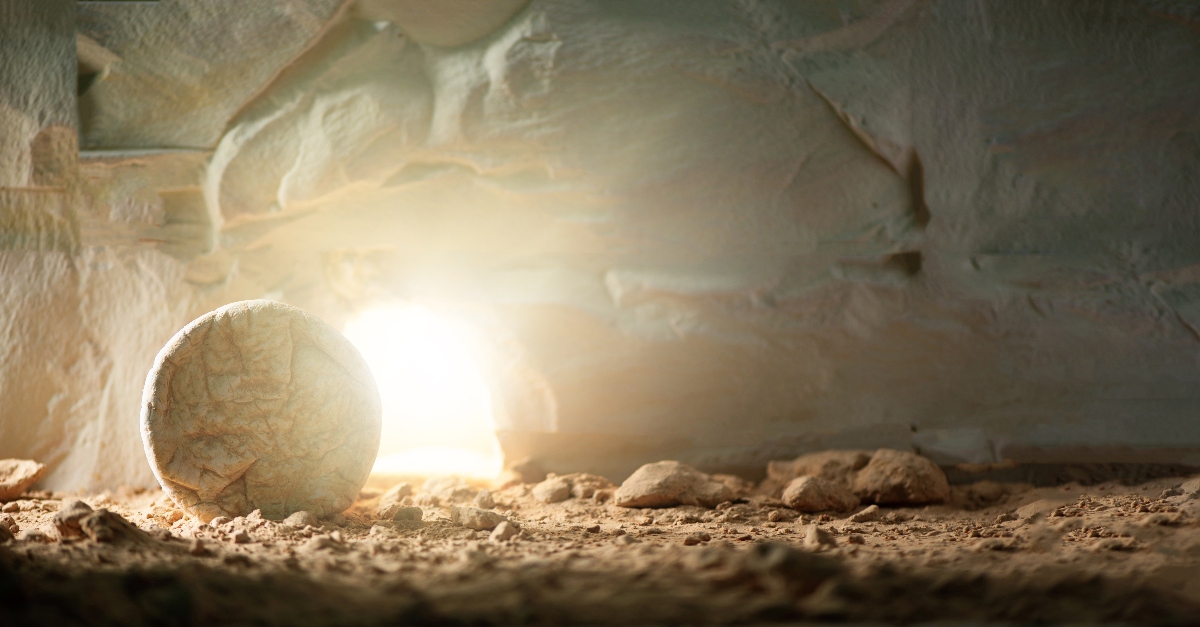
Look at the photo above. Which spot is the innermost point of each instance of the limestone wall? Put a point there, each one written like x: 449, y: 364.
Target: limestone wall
x: 718, y: 231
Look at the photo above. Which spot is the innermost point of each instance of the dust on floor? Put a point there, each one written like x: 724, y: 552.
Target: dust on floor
x: 995, y: 552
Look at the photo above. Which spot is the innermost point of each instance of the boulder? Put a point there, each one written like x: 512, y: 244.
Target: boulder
x: 670, y: 483
x: 816, y: 494
x: 901, y: 478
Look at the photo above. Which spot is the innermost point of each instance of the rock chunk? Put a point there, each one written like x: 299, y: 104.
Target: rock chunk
x: 867, y: 514
x: 484, y: 500
x: 815, y: 494
x: 670, y: 483
x: 901, y: 478
x: 16, y: 475
x: 8, y: 522
x: 301, y: 519
x: 504, y: 531
x: 68, y: 518
x: 105, y: 526
x: 837, y: 466
x: 410, y: 513
x: 475, y: 518
x: 452, y: 489
x: 259, y: 405
x: 392, y: 500
x: 552, y: 490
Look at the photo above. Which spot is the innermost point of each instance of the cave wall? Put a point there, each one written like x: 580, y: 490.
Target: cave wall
x: 719, y: 231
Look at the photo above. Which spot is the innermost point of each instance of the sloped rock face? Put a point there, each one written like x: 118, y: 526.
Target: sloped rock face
x: 720, y: 232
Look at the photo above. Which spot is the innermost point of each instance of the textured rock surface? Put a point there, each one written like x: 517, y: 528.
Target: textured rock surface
x: 475, y: 518
x: 552, y: 490
x: 901, y: 478
x: 17, y: 475
x: 836, y: 466
x: 817, y: 494
x: 670, y: 483
x: 258, y: 405
x: 770, y: 226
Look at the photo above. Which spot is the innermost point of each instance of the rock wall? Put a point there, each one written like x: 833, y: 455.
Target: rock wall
x: 718, y: 231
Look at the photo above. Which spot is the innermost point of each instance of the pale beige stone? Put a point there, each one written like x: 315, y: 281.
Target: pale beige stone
x: 16, y: 475
x: 901, y: 478
x: 669, y: 483
x: 259, y: 405
x: 816, y: 494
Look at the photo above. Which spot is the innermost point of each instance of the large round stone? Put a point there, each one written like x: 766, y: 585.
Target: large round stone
x: 259, y: 405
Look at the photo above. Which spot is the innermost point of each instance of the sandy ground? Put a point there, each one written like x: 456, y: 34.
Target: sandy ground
x: 996, y: 552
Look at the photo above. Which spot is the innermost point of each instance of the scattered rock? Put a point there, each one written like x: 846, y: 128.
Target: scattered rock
x: 300, y: 520
x: 625, y: 540
x: 68, y: 518
x: 240, y: 537
x: 866, y: 514
x: 288, y: 384
x: 103, y: 525
x: 475, y: 518
x: 815, y: 494
x: 739, y: 487
x: 391, y: 500
x: 691, y: 541
x: 901, y: 478
x: 197, y: 549
x: 8, y: 522
x: 409, y: 513
x: 670, y: 483
x: 856, y: 538
x: 16, y: 475
x: 505, y: 530
x: 816, y: 538
x: 33, y: 535
x: 593, y: 529
x: 552, y: 490
x: 587, y: 486
x: 451, y: 489
x: 219, y: 522
x: 484, y: 500
x: 836, y: 466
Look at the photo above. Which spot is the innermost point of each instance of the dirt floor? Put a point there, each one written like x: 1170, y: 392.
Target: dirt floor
x: 996, y: 552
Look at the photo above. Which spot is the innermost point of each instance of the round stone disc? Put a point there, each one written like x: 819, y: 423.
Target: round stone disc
x: 259, y: 405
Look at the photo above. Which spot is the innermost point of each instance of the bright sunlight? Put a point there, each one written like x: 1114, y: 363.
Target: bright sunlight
x: 437, y: 413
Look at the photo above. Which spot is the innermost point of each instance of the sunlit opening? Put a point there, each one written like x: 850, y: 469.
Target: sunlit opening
x: 437, y: 413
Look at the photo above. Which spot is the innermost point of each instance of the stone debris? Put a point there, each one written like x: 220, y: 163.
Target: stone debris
x: 300, y: 520
x: 505, y: 530
x: 197, y: 548
x: 409, y: 513
x: 866, y: 514
x: 588, y: 486
x: 288, y: 384
x: 16, y: 475
x: 816, y: 538
x: 901, y: 478
x: 240, y: 537
x: 103, y: 525
x: 670, y: 483
x: 10, y: 523
x: 68, y: 518
x: 450, y: 489
x: 475, y: 518
x: 484, y: 500
x: 34, y: 535
x: 552, y: 490
x: 392, y: 500
x: 816, y: 494
x: 838, y: 466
